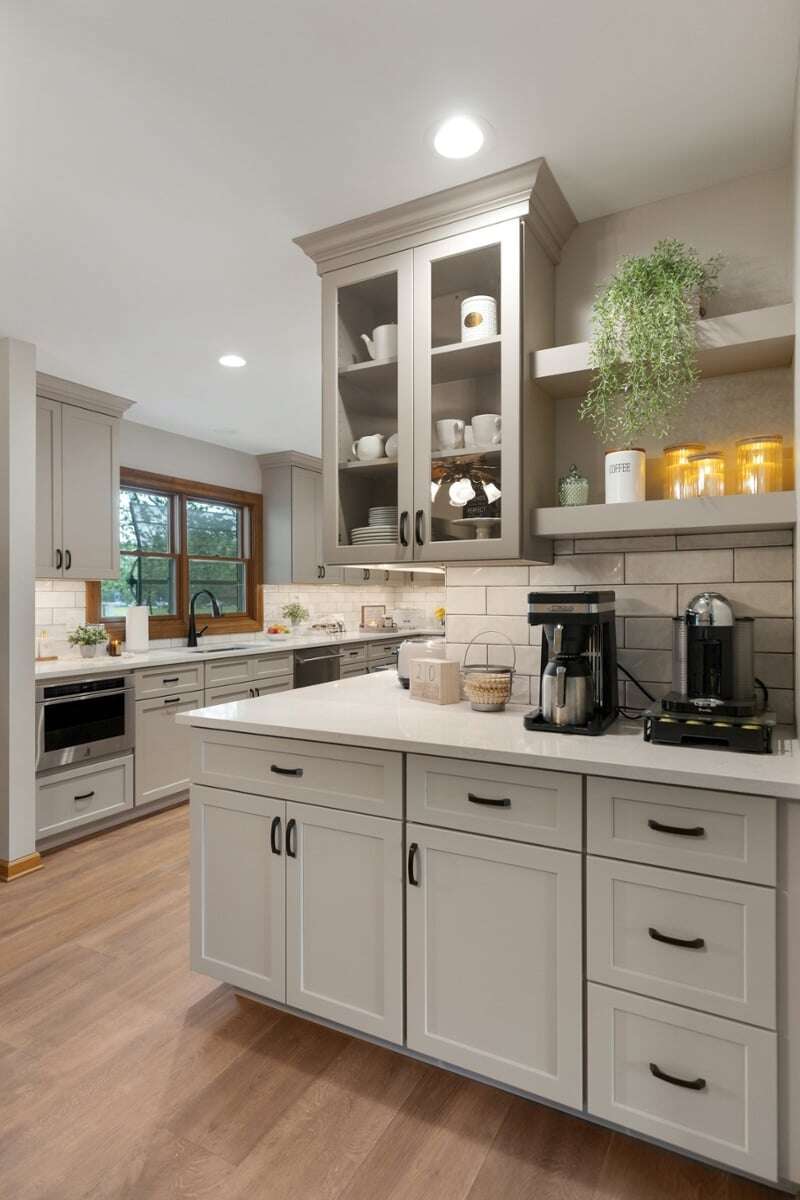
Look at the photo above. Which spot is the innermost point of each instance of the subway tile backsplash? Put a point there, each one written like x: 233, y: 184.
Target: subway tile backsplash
x: 654, y: 578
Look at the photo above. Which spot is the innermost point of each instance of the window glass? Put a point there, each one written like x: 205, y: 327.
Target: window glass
x: 142, y: 580
x: 213, y: 529
x: 144, y: 521
x: 225, y: 579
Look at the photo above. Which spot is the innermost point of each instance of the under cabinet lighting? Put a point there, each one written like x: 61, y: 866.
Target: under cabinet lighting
x: 458, y: 137
x: 232, y: 360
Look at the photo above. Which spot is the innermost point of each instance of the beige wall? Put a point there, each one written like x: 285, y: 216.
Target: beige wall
x: 748, y: 220
x: 149, y: 449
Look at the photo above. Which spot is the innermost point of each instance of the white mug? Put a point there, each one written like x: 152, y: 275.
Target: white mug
x: 383, y: 343
x: 450, y: 434
x: 469, y: 436
x: 370, y: 447
x: 486, y: 429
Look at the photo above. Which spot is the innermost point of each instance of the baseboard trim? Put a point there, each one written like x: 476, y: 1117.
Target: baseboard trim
x: 15, y: 868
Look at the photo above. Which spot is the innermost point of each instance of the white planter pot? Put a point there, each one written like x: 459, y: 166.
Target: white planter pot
x: 88, y: 651
x: 625, y: 476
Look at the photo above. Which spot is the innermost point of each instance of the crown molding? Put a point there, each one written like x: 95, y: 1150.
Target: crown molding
x: 290, y: 458
x: 528, y: 190
x: 50, y: 387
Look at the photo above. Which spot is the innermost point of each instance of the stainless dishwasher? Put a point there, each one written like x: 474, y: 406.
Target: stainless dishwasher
x: 318, y: 664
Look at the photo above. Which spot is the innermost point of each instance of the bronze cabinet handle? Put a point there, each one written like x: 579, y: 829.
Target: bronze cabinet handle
x: 697, y: 943
x: 694, y: 1085
x: 678, y: 830
x: 488, y: 801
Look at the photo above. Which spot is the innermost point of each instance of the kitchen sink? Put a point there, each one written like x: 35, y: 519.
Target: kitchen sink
x: 215, y: 649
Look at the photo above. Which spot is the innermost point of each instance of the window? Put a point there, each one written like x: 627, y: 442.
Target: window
x: 177, y: 538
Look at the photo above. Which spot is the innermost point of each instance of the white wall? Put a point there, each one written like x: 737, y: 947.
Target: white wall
x: 149, y: 449
x: 749, y: 220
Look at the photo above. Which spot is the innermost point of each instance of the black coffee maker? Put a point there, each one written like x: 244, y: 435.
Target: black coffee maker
x: 578, y: 679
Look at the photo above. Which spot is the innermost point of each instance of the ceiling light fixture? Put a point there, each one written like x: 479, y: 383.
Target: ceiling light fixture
x: 232, y: 360
x: 458, y: 137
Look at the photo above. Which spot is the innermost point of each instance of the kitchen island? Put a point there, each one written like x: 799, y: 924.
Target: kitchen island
x: 596, y: 922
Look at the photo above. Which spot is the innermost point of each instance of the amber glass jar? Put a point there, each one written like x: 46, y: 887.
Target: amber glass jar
x: 759, y: 464
x: 675, y: 460
x: 705, y: 474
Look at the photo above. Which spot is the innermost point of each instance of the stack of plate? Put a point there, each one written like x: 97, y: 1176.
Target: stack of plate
x: 387, y: 515
x: 373, y: 535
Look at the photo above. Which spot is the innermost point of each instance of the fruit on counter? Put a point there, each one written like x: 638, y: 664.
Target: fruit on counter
x: 277, y: 629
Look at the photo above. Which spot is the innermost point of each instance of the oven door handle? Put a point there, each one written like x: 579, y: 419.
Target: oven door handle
x: 83, y: 696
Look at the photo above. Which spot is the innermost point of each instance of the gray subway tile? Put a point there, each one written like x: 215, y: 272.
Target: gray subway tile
x: 676, y: 567
x: 747, y: 537
x: 648, y: 633
x: 766, y: 563
x: 582, y: 570
x: 619, y: 545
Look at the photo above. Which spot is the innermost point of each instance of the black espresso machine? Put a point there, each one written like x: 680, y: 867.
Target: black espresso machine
x: 715, y: 699
x: 578, y: 678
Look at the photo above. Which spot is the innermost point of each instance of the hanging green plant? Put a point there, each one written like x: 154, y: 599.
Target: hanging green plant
x: 643, y: 351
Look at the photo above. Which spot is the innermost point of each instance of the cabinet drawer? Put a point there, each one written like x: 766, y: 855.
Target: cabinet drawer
x: 80, y: 796
x: 729, y: 1116
x: 353, y: 654
x: 345, y: 777
x: 281, y: 683
x: 716, y: 833
x: 268, y: 666
x: 521, y: 803
x: 382, y: 651
x: 226, y: 693
x: 227, y: 670
x: 168, y: 680
x: 727, y: 965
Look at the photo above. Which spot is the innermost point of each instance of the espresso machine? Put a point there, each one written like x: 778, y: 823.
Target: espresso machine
x: 715, y: 699
x: 578, y: 678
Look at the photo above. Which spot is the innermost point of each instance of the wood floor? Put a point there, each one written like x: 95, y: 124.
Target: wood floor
x: 124, y: 1075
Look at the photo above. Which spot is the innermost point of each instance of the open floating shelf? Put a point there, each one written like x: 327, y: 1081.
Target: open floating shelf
x: 747, y: 341
x: 771, y: 510
x: 465, y: 360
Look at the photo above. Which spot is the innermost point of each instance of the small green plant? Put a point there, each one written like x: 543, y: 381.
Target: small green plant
x: 643, y: 350
x: 87, y: 635
x: 294, y: 612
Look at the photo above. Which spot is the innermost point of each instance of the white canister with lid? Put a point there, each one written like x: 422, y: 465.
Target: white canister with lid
x: 478, y: 318
x: 625, y: 476
x: 416, y: 648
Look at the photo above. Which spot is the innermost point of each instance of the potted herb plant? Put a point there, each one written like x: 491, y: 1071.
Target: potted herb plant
x: 294, y: 613
x: 88, y: 638
x: 644, y: 354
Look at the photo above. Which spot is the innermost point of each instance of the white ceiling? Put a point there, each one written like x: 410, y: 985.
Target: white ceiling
x: 163, y: 153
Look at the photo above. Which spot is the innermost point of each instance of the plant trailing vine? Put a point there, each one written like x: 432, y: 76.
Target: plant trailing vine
x: 643, y: 351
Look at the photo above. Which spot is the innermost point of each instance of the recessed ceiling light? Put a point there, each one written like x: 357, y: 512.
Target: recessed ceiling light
x: 232, y: 360
x: 458, y: 137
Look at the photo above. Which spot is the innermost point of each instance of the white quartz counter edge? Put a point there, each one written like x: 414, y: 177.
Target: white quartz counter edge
x: 65, y: 668
x: 375, y: 711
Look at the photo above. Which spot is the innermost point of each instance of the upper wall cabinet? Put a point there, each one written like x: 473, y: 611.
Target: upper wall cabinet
x: 434, y: 446
x: 77, y: 481
x: 291, y: 484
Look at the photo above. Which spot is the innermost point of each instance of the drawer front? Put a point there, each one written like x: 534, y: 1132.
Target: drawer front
x: 349, y: 670
x: 726, y: 962
x: 281, y: 683
x: 168, y: 680
x: 730, y: 1115
x: 382, y: 651
x: 227, y: 670
x: 521, y: 803
x: 716, y: 833
x: 353, y: 654
x: 270, y: 666
x: 78, y: 797
x: 345, y: 777
x: 226, y: 693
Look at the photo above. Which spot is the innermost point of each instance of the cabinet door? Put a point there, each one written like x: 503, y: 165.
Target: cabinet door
x: 90, y: 488
x: 238, y: 884
x: 467, y: 430
x: 226, y: 693
x: 163, y: 749
x: 49, y: 550
x: 306, y: 526
x: 328, y: 573
x: 494, y: 959
x: 366, y: 399
x: 344, y: 918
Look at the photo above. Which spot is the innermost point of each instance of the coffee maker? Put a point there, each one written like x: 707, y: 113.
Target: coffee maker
x: 713, y: 701
x: 578, y: 678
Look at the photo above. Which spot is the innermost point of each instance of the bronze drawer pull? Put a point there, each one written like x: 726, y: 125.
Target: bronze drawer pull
x: 84, y: 796
x: 172, y: 700
x: 473, y: 799
x: 680, y: 830
x: 697, y: 943
x: 296, y: 771
x: 172, y: 679
x: 694, y: 1085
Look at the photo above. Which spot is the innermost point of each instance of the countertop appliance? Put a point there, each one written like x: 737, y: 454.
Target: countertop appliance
x: 578, y: 678
x: 83, y: 719
x: 416, y: 648
x: 713, y: 701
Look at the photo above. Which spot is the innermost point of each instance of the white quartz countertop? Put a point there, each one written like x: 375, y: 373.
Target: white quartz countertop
x: 375, y: 711
x: 104, y: 664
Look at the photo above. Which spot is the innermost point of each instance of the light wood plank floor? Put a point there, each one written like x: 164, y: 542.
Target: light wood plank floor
x: 124, y: 1075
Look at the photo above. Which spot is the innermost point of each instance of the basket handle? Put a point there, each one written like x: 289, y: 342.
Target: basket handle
x: 495, y: 633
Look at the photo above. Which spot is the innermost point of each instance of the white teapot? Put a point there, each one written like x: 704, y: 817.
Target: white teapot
x: 383, y: 343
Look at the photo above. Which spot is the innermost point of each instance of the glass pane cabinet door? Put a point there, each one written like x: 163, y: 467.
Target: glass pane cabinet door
x: 368, y: 411
x: 467, y: 395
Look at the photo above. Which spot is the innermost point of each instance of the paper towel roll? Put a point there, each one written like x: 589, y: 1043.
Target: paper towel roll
x: 137, y: 637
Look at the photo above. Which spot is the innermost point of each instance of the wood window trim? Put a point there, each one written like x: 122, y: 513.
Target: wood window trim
x: 178, y: 626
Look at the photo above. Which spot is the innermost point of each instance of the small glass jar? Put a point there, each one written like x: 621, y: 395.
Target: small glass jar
x: 759, y: 464
x: 573, y: 488
x: 675, y: 460
x: 704, y: 474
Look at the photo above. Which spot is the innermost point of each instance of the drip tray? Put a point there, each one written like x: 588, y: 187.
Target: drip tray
x: 750, y: 735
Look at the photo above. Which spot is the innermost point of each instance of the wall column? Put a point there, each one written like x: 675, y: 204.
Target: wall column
x: 18, y: 854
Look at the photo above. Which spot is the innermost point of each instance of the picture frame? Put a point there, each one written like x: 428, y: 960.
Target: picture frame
x: 372, y: 616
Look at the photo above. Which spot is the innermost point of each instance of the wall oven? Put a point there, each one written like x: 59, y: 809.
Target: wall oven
x: 83, y: 719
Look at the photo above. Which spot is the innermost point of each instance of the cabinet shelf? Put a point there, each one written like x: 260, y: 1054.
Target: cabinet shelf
x: 371, y: 376
x: 465, y: 360
x: 489, y: 454
x: 746, y: 341
x: 772, y: 510
x: 368, y: 470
